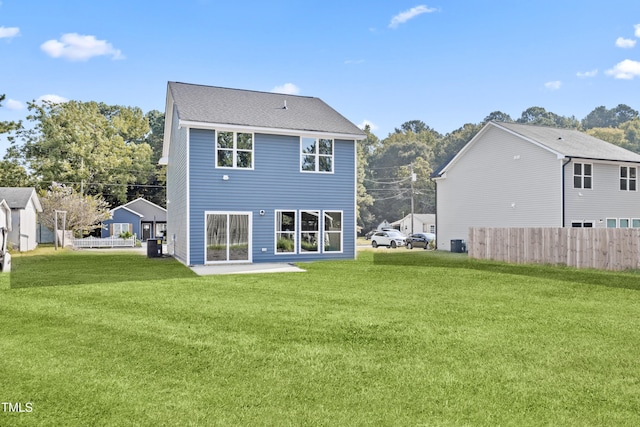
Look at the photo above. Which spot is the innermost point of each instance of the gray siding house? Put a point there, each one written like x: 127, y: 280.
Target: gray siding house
x: 257, y: 177
x: 514, y: 175
x: 140, y: 217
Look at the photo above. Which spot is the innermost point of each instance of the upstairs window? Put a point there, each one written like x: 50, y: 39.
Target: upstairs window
x: 628, y: 178
x: 234, y: 150
x: 582, y: 175
x: 316, y: 155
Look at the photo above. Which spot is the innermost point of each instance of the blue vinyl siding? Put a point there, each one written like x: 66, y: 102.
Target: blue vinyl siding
x: 275, y: 183
x: 122, y: 216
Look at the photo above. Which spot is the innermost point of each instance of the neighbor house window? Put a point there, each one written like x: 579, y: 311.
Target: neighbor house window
x: 309, y: 231
x: 316, y: 155
x: 332, y: 231
x: 624, y: 222
x: 161, y: 229
x: 119, y: 228
x: 628, y: 178
x: 234, y: 150
x: 612, y: 223
x: 635, y: 223
x: 582, y: 175
x: 285, y: 232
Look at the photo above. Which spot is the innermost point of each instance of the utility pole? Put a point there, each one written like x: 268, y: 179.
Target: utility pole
x: 413, y: 179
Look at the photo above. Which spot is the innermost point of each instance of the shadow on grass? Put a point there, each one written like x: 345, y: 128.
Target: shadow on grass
x: 81, y: 268
x: 613, y: 279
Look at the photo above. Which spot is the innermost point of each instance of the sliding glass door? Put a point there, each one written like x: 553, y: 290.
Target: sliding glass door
x: 228, y: 237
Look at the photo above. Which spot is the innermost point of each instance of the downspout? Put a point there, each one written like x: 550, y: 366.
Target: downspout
x: 435, y: 187
x: 569, y: 160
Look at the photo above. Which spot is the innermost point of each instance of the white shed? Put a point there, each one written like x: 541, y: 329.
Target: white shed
x: 24, y: 205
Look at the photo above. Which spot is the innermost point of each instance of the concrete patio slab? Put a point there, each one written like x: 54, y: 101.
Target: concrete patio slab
x: 279, y: 267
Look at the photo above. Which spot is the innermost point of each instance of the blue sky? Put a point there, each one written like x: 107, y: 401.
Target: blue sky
x: 446, y: 63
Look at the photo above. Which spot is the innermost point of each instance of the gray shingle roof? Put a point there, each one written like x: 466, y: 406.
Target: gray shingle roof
x: 18, y: 197
x: 572, y: 143
x: 217, y: 105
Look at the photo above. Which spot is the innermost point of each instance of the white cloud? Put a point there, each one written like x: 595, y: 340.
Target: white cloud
x: 403, y: 17
x: 626, y: 70
x: 586, y: 74
x: 625, y: 43
x: 555, y: 85
x: 9, y: 32
x: 55, y: 99
x: 637, y: 28
x: 12, y: 104
x: 76, y: 47
x: 366, y: 122
x: 287, y: 89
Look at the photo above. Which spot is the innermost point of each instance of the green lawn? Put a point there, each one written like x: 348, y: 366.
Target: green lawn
x: 394, y: 338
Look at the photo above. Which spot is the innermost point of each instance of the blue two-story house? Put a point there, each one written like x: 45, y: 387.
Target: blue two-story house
x: 257, y: 177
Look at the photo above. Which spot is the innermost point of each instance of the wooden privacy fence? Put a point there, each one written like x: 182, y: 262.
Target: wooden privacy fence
x: 601, y: 248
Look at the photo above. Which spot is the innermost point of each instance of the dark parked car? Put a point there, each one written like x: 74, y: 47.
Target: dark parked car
x: 420, y: 240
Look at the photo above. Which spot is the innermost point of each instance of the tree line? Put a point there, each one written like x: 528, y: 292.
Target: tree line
x: 111, y: 153
x: 94, y: 148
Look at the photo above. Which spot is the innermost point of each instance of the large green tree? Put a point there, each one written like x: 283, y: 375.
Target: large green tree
x: 5, y: 126
x: 154, y: 186
x: 12, y: 172
x: 95, y: 148
x: 540, y: 116
x: 366, y: 148
x: 601, y: 117
x: 390, y: 180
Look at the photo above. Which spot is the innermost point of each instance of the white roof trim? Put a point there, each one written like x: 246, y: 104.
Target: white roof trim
x: 482, y: 131
x: 272, y: 131
x: 146, y: 201
x: 126, y: 209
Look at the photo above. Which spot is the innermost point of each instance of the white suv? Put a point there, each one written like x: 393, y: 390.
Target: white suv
x: 392, y: 239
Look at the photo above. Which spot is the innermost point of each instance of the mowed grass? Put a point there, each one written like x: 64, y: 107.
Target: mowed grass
x: 394, y: 338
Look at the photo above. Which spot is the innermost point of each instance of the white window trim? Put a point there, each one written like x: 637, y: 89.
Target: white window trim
x: 250, y: 237
x: 300, y: 231
x: 317, y: 155
x: 324, y: 212
x: 295, y: 234
x: 582, y: 187
x: 628, y: 179
x: 127, y: 225
x: 235, y: 149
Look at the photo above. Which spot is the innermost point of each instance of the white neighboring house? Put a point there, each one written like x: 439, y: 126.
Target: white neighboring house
x: 514, y: 175
x: 24, y: 205
x: 422, y: 223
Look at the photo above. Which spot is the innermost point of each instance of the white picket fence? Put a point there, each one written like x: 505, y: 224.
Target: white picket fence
x: 107, y: 242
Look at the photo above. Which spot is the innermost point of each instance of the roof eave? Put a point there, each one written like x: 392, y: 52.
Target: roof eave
x: 269, y: 130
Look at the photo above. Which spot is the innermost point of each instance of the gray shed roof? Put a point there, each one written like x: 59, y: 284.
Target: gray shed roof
x: 571, y: 143
x: 18, y: 197
x: 236, y: 107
